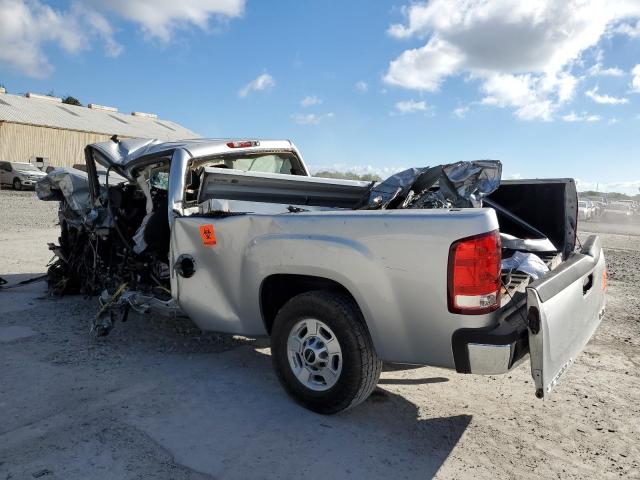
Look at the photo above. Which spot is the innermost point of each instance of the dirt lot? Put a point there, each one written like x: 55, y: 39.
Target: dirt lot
x: 160, y: 399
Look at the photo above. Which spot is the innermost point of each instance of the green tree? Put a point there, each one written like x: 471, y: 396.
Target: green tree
x: 367, y: 177
x: 611, y: 196
x: 69, y: 100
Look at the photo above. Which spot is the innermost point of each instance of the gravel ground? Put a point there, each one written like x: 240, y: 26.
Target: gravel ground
x: 160, y: 399
x: 22, y: 212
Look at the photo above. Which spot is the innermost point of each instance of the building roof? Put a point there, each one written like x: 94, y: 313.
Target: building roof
x: 51, y: 113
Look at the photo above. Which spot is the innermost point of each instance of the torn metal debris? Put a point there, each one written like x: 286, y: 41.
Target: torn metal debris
x: 461, y: 184
x: 69, y: 184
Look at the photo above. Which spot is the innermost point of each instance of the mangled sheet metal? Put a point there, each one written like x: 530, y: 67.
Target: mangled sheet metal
x: 73, y: 184
x: 460, y: 184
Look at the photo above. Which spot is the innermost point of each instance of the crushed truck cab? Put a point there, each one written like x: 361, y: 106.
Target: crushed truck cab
x: 445, y: 266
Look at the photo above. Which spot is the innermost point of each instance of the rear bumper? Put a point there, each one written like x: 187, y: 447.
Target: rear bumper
x: 493, y: 350
x: 552, y: 322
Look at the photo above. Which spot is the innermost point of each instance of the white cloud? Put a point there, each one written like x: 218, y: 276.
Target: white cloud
x: 26, y: 27
x: 261, y: 82
x: 362, y: 86
x: 410, y: 106
x: 528, y: 94
x: 160, y: 18
x: 632, y: 31
x: 597, y: 71
x: 310, y: 100
x: 105, y: 31
x: 530, y: 47
x: 635, y: 81
x: 461, y: 112
x: 574, y: 117
x: 426, y: 67
x: 605, y: 99
x: 310, y: 118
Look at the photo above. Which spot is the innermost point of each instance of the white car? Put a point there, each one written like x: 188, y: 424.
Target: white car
x: 20, y: 175
x: 584, y: 211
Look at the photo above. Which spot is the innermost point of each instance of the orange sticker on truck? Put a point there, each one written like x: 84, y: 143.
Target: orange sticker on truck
x: 208, y: 234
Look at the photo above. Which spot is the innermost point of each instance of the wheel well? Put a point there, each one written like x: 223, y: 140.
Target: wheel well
x: 278, y: 289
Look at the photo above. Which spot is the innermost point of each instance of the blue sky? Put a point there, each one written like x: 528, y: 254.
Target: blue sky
x: 548, y: 87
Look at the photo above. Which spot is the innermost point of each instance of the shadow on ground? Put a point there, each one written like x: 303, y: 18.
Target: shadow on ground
x: 231, y: 417
x: 213, y: 407
x: 412, y: 381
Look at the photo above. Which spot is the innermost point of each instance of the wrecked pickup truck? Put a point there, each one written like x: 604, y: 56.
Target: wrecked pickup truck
x: 446, y: 266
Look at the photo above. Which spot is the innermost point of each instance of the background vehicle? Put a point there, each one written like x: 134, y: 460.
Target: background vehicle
x: 342, y: 275
x: 20, y: 175
x: 618, y: 211
x: 584, y: 212
x: 633, y: 206
x: 600, y: 206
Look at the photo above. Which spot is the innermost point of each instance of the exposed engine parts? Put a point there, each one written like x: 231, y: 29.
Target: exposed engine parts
x: 115, y: 246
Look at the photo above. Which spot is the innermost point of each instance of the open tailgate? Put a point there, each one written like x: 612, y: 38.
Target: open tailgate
x: 564, y: 308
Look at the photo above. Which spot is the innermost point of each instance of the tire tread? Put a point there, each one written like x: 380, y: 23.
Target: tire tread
x: 371, y: 365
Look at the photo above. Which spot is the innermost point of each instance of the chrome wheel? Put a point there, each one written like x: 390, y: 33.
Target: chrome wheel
x: 315, y: 356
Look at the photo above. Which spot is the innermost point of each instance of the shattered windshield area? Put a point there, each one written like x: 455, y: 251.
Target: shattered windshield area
x: 264, y: 163
x: 159, y: 180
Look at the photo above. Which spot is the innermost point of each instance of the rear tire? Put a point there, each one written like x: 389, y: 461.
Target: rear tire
x: 17, y: 184
x: 352, y: 368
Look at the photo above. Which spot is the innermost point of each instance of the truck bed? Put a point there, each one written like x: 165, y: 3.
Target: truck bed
x: 520, y: 281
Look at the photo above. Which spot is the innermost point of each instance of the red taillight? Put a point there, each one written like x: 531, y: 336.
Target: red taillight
x: 474, y: 274
x: 243, y: 144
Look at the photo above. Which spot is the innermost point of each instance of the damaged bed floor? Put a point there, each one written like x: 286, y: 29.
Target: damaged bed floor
x: 159, y: 399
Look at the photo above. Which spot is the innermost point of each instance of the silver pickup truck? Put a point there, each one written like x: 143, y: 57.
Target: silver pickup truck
x: 342, y: 275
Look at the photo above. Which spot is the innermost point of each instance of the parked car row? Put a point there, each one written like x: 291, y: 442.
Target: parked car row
x: 631, y: 205
x: 619, y: 210
x: 589, y: 210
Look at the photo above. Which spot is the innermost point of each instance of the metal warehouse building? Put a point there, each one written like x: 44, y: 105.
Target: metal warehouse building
x: 44, y: 131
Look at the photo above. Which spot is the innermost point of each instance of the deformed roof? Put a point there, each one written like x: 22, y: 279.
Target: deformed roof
x: 46, y: 113
x: 128, y: 150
